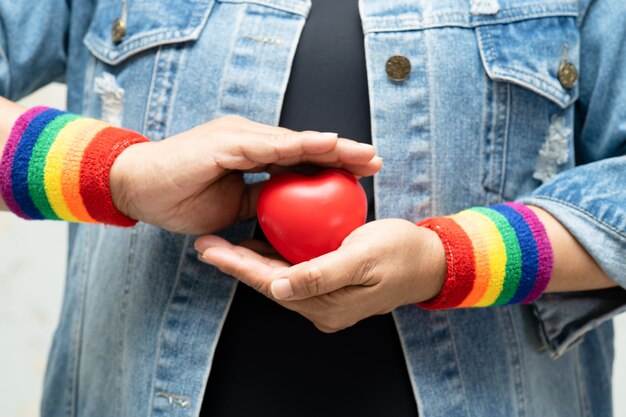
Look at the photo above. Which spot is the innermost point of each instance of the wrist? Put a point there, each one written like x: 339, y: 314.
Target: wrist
x: 494, y: 256
x: 56, y: 165
x: 9, y: 114
x: 123, y: 178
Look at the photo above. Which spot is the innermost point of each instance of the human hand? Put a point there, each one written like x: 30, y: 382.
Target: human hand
x: 380, y: 266
x: 193, y: 182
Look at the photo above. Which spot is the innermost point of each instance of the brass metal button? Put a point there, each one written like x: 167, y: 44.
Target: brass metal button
x: 568, y: 74
x: 118, y: 30
x: 398, y: 68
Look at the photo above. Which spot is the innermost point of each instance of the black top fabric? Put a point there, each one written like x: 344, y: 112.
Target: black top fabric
x: 271, y: 361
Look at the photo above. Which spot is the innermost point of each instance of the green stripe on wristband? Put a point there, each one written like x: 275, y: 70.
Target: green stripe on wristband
x: 513, y: 254
x: 37, y: 164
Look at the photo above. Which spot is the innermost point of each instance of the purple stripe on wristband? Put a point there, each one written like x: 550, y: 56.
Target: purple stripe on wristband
x: 546, y: 259
x: 6, y: 164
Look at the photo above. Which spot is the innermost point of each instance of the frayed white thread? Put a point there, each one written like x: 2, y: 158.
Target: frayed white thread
x: 488, y: 7
x: 112, y: 97
x: 265, y: 39
x: 555, y: 150
x: 179, y: 400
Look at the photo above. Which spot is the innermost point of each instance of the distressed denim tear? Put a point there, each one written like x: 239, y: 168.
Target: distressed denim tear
x: 484, y: 7
x: 112, y: 98
x: 179, y: 400
x: 555, y: 150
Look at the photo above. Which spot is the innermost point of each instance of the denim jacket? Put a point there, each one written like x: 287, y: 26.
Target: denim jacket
x: 485, y: 115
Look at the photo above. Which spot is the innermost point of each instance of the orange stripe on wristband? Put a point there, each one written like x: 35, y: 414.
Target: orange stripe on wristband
x: 70, y: 176
x: 474, y: 227
x: 54, y: 173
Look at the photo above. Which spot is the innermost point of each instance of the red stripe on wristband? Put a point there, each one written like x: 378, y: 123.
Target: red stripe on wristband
x: 95, y: 170
x: 460, y: 263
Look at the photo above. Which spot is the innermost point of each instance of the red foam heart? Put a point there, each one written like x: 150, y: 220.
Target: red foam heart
x: 305, y: 216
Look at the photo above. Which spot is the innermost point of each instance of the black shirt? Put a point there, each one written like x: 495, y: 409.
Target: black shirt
x: 271, y: 361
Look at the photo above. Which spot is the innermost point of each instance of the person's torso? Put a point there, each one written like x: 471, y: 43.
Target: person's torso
x: 464, y: 96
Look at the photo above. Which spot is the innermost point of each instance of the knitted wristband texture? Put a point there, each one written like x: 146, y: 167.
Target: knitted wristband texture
x: 55, y: 165
x: 495, y: 256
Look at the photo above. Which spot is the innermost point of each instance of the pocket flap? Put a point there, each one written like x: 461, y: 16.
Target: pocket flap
x: 530, y: 52
x: 149, y: 23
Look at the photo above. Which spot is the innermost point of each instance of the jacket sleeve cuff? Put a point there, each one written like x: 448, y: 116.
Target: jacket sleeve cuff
x: 565, y: 318
x: 605, y: 243
x: 589, y: 202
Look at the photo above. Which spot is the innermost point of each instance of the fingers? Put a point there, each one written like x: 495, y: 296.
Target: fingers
x: 262, y: 248
x: 359, y: 170
x: 264, y: 148
x: 351, y: 152
x: 202, y: 243
x: 246, y: 145
x: 346, y: 151
x: 273, y: 278
x: 242, y: 263
x: 342, y: 268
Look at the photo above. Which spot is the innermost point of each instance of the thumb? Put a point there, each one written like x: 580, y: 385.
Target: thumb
x: 325, y: 274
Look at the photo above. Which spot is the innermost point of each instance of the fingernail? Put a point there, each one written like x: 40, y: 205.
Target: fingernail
x: 203, y: 258
x: 330, y: 134
x: 365, y: 145
x: 281, y: 289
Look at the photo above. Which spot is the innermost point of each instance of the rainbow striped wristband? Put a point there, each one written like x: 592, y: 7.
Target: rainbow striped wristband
x: 495, y: 256
x: 56, y: 165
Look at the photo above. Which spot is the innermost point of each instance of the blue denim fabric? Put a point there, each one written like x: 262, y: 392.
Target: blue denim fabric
x: 482, y: 118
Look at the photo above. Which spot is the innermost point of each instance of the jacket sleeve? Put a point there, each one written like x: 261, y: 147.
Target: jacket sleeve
x: 590, y: 199
x: 33, y: 45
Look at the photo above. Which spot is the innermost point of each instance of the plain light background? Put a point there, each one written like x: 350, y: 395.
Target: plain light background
x: 32, y: 271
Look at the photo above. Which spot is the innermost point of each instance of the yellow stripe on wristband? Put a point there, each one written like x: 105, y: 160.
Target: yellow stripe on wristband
x: 70, y: 176
x: 54, y: 163
x: 497, y: 257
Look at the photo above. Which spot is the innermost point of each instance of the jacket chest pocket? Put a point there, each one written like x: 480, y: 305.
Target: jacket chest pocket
x: 532, y: 66
x: 183, y: 62
x: 483, y: 93
x: 138, y: 50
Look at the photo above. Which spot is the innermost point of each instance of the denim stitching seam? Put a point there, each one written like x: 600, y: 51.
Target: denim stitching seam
x: 219, y: 99
x: 456, y: 358
x: 122, y: 317
x: 519, y: 370
x: 77, y: 330
x: 505, y: 140
x: 405, y: 350
x: 153, y: 78
x: 157, y: 361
